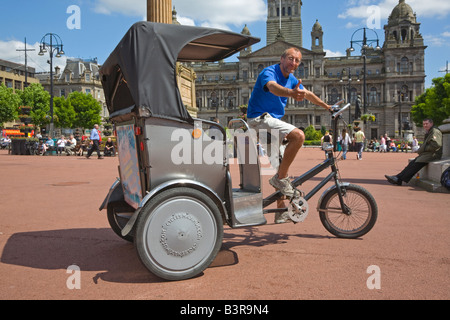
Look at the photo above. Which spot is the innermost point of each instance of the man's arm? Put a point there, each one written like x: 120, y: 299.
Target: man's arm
x: 296, y: 93
x: 280, y: 91
x: 311, y: 97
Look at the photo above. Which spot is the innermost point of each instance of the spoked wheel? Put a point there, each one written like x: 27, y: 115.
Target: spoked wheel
x: 119, y: 213
x: 179, y: 233
x: 361, y: 215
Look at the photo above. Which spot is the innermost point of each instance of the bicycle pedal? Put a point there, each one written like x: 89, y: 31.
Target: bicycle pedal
x: 297, y: 194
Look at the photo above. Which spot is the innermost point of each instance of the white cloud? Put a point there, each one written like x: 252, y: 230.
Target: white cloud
x: 8, y: 52
x: 358, y: 9
x: 222, y: 13
x: 211, y: 13
x: 435, y: 41
x: 330, y: 54
x: 129, y: 7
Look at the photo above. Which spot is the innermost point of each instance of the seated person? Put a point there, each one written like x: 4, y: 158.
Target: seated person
x: 71, y: 143
x: 49, y: 145
x: 109, y: 148
x: 393, y: 147
x: 431, y: 150
x: 5, y: 142
x: 60, y: 145
x: 376, y: 146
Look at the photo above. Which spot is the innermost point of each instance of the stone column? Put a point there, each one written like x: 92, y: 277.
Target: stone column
x: 445, y: 128
x: 159, y: 11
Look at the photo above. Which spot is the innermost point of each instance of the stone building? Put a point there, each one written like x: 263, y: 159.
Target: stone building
x: 78, y: 75
x: 395, y: 73
x: 12, y: 75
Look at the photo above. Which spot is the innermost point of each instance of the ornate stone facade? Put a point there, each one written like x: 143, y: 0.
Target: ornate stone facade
x: 395, y: 75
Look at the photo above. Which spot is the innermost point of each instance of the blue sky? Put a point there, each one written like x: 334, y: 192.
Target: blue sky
x: 102, y: 23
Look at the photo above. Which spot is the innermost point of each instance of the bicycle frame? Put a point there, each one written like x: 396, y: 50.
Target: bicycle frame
x: 329, y: 162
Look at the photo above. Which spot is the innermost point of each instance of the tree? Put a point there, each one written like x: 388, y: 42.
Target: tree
x: 64, y: 113
x: 38, y: 99
x: 9, y: 104
x: 87, y: 109
x: 312, y: 134
x: 434, y: 103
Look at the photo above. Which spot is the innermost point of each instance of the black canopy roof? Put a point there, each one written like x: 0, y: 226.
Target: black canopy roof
x: 141, y: 71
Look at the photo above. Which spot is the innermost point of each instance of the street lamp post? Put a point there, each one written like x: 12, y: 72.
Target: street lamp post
x: 348, y: 89
x: 52, y: 43
x: 402, y: 95
x: 364, y: 44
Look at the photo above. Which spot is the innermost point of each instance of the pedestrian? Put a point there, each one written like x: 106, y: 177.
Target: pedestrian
x: 359, y: 139
x: 327, y: 139
x: 383, y: 147
x: 345, y: 141
x: 431, y: 150
x: 95, y: 143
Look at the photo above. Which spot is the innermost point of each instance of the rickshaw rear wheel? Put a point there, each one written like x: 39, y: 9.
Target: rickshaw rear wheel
x: 119, y: 213
x: 179, y: 233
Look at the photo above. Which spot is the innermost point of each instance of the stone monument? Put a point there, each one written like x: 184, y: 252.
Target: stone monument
x: 161, y: 11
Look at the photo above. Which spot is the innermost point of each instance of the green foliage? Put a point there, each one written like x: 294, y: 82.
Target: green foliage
x: 434, y: 103
x: 87, y: 109
x: 9, y: 104
x: 38, y: 99
x: 312, y: 134
x: 64, y: 113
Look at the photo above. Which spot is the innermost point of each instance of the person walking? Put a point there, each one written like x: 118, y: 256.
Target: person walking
x: 345, y: 141
x: 359, y: 139
x: 95, y: 143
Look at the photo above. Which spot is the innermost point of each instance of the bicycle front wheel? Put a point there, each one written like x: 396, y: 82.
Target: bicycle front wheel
x: 356, y: 218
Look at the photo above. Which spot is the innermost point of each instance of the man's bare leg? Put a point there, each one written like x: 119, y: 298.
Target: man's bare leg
x: 296, y: 139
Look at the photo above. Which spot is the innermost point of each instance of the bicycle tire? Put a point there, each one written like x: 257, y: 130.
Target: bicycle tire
x: 361, y: 219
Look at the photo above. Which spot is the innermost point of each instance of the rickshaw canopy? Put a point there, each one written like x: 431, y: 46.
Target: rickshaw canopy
x: 141, y: 71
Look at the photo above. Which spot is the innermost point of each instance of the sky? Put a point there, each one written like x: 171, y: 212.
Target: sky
x: 91, y: 29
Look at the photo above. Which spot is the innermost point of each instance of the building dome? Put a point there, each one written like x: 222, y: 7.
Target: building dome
x: 402, y: 12
x: 317, y: 26
x: 246, y: 31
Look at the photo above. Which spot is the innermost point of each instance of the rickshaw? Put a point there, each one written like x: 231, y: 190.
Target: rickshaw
x: 169, y: 199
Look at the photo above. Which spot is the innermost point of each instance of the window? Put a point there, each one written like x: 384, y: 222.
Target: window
x: 373, y: 96
x: 404, y: 65
x: 353, y: 95
x: 334, y: 95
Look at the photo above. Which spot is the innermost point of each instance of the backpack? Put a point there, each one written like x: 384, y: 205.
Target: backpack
x: 445, y: 178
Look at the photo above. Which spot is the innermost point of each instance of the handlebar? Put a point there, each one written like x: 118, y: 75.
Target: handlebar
x: 336, y: 111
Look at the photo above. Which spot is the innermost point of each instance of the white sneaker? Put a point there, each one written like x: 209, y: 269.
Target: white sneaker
x: 282, y: 217
x: 282, y: 185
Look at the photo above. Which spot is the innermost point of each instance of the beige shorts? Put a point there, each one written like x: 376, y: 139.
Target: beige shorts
x: 272, y: 125
x: 278, y: 130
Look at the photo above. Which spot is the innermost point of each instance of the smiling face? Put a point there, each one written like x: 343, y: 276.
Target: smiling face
x: 290, y: 61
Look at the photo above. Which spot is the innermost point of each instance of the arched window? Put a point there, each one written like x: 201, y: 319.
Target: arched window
x: 300, y: 72
x: 230, y: 100
x: 404, y: 65
x: 334, y: 95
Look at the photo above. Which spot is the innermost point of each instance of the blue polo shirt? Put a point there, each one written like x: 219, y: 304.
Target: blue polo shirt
x: 262, y: 100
